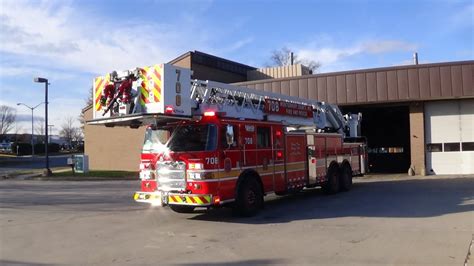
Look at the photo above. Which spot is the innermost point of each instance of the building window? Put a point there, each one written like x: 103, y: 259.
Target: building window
x: 454, y: 146
x: 386, y: 150
x: 395, y: 150
x: 434, y: 147
x: 468, y: 146
x: 263, y: 137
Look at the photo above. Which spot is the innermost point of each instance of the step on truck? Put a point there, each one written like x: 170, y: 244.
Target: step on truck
x: 210, y: 144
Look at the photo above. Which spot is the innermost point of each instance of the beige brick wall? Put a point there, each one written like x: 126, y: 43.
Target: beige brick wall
x: 183, y: 62
x: 417, y: 138
x: 116, y: 148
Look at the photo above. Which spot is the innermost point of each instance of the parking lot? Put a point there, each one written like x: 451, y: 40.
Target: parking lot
x: 422, y: 221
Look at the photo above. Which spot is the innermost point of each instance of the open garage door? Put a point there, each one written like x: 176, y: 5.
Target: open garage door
x: 387, y: 130
x: 450, y: 137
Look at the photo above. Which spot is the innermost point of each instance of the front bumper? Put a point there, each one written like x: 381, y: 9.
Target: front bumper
x: 163, y: 198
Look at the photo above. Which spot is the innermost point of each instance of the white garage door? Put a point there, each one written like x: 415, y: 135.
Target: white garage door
x: 449, y: 127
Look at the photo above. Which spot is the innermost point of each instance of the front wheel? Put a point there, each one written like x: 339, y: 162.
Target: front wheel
x: 182, y: 208
x: 249, y: 198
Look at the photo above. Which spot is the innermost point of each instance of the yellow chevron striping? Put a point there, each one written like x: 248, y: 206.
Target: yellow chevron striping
x: 198, y: 200
x: 97, y: 81
x: 97, y: 92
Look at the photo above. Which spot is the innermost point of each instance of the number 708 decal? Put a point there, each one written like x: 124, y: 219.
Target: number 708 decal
x: 212, y: 160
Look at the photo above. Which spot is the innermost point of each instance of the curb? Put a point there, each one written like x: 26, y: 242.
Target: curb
x: 27, y: 176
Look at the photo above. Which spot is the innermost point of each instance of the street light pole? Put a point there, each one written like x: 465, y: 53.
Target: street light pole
x: 47, y: 171
x: 32, y: 128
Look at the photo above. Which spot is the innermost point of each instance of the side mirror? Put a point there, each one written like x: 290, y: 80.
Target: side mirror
x: 229, y: 135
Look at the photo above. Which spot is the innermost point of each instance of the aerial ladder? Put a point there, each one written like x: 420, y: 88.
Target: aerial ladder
x: 161, y: 93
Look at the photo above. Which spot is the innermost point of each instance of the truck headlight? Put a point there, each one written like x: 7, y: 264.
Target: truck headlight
x: 147, y: 175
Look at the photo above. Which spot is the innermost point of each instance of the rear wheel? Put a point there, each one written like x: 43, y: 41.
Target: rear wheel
x: 182, y: 208
x: 345, y: 179
x: 332, y: 184
x: 249, y: 198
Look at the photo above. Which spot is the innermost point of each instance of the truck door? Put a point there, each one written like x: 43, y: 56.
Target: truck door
x: 248, y: 146
x: 230, y: 159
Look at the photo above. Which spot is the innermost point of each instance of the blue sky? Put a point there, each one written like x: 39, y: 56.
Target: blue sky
x: 70, y: 42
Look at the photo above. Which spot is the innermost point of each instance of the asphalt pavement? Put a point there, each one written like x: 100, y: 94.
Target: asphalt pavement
x: 394, y: 221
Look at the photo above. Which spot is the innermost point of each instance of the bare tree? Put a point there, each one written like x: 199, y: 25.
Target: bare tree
x: 68, y: 130
x: 282, y: 57
x: 7, y: 119
x: 18, y: 129
x: 78, y: 136
x: 39, y: 125
x: 90, y: 97
x: 39, y: 129
x: 88, y: 101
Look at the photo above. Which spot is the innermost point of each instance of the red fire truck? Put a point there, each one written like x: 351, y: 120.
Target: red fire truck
x: 210, y: 144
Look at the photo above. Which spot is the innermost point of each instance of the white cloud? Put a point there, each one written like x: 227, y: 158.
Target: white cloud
x: 330, y: 55
x: 384, y: 46
x: 62, y: 42
x: 16, y: 71
x: 57, y: 36
x: 236, y: 45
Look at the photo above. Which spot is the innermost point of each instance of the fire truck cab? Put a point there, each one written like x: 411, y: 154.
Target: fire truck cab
x: 233, y: 146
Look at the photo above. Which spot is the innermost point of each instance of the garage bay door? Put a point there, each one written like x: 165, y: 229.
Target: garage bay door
x: 449, y: 127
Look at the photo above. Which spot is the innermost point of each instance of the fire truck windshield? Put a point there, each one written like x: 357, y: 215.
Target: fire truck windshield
x: 181, y: 138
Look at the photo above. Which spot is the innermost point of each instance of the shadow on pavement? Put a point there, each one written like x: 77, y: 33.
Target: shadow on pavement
x: 404, y: 199
x: 241, y: 262
x: 15, y: 263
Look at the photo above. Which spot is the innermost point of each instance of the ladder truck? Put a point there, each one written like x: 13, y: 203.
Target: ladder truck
x: 210, y: 144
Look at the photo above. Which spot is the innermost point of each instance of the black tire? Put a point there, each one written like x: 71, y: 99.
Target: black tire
x: 249, y: 198
x: 345, y: 179
x: 332, y: 185
x: 182, y: 208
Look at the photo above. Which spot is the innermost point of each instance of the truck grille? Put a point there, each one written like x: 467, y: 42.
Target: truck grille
x: 171, y: 176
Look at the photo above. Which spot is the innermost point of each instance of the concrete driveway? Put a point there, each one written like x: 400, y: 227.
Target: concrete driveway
x: 403, y: 221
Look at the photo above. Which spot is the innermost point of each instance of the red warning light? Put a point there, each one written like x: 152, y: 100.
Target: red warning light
x: 168, y: 110
x: 279, y: 154
x: 210, y: 113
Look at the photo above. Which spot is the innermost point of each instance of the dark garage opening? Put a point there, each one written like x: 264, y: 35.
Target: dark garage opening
x: 388, y: 137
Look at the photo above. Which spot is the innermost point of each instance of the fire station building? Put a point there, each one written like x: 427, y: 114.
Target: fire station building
x: 418, y: 117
